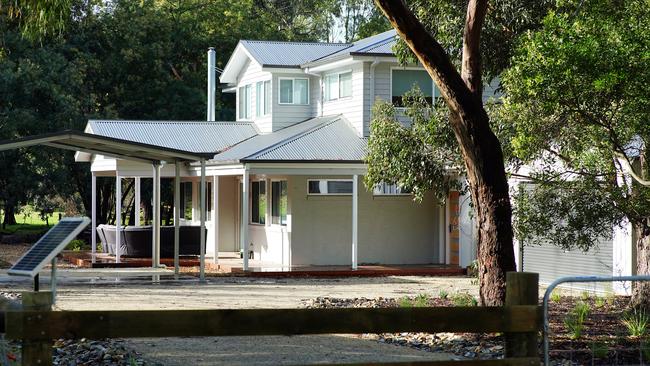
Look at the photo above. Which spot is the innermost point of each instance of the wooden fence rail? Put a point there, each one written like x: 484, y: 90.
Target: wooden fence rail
x: 520, y: 320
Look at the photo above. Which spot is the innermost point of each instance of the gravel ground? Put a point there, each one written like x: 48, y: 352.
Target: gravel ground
x: 11, y: 253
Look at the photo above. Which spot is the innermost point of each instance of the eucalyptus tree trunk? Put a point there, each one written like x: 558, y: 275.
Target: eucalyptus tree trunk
x: 641, y: 289
x: 479, y: 146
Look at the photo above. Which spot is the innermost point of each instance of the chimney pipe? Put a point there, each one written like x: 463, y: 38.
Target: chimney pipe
x: 212, y: 83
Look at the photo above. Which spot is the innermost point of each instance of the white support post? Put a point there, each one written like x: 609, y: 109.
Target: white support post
x: 118, y: 217
x: 155, y: 238
x: 93, y: 215
x: 202, y: 201
x: 177, y: 216
x: 244, y: 217
x: 215, y: 216
x: 136, y: 201
x: 355, y: 219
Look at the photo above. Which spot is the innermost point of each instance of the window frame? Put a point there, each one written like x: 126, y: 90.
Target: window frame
x: 261, y: 99
x: 329, y: 180
x: 248, y: 108
x: 271, y: 195
x: 338, y: 85
x: 293, y: 81
x: 390, y: 86
x: 376, y: 193
x: 261, y: 214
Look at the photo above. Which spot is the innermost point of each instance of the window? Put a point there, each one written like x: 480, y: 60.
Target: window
x: 279, y: 202
x: 245, y: 102
x: 385, y: 189
x: 208, y: 201
x: 262, y: 98
x: 294, y: 91
x: 186, y: 200
x: 338, y: 85
x: 330, y: 186
x: 258, y: 202
x: 403, y: 81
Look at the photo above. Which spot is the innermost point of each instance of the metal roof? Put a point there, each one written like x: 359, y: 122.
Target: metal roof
x: 379, y: 44
x: 191, y: 136
x: 319, y: 139
x: 289, y: 54
x: 102, y: 145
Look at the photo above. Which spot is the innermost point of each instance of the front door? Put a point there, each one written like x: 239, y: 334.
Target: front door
x: 454, y: 228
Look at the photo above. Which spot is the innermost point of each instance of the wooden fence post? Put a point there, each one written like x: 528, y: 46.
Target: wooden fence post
x: 37, y: 352
x: 522, y: 288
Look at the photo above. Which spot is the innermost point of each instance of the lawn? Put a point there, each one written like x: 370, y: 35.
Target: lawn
x: 29, y: 224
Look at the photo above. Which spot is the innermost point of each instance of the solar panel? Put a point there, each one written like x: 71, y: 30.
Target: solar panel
x: 48, y: 246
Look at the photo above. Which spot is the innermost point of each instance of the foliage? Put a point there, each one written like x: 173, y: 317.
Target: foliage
x: 574, y: 321
x: 421, y: 300
x: 443, y: 294
x: 636, y: 322
x: 599, y: 302
x: 38, y: 18
x: 577, y: 101
x: 416, y: 157
x: 405, y: 302
x: 463, y: 299
x: 77, y: 245
x: 600, y: 350
x: 556, y: 297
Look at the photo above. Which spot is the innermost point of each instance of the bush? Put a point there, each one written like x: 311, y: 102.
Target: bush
x: 405, y: 302
x: 574, y: 321
x: 636, y: 322
x: 556, y: 297
x: 421, y: 300
x: 443, y: 294
x: 77, y: 245
x: 464, y: 299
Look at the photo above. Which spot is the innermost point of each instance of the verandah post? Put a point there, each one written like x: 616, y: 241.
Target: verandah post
x: 522, y: 288
x: 37, y: 352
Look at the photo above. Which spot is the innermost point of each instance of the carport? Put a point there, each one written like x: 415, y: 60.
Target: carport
x: 134, y: 151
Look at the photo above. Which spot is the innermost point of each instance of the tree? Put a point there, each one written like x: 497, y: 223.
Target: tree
x: 578, y: 100
x: 438, y: 47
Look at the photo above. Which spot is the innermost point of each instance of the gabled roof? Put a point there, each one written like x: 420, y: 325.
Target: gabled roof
x: 320, y: 139
x: 191, y: 136
x: 289, y: 54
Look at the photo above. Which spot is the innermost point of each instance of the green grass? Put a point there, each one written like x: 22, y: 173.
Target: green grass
x: 30, y: 224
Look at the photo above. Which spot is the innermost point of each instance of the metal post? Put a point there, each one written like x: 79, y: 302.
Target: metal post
x: 202, y: 202
x: 118, y: 217
x: 355, y: 219
x: 53, y: 280
x: 215, y: 216
x: 137, y: 201
x: 155, y: 242
x: 177, y: 216
x: 93, y: 215
x: 212, y: 83
x: 37, y: 280
x: 244, y: 217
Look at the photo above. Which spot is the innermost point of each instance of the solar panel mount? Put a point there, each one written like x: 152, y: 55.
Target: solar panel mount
x: 48, y: 246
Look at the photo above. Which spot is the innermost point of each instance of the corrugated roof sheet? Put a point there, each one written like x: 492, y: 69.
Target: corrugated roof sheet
x: 192, y: 136
x: 271, y: 53
x: 381, y: 43
x: 318, y: 139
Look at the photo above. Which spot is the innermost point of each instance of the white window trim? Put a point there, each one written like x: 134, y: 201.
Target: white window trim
x: 261, y: 101
x: 390, y: 86
x: 328, y: 180
x: 270, y: 200
x: 249, y: 105
x: 380, y: 194
x: 338, y: 85
x: 250, y: 202
x: 292, y: 84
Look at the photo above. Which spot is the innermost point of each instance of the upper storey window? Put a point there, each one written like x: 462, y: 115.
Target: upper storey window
x: 403, y: 80
x: 294, y: 91
x: 338, y: 86
x: 245, y: 102
x: 263, y: 98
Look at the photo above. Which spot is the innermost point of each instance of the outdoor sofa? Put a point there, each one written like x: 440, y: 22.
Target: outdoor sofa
x: 136, y: 240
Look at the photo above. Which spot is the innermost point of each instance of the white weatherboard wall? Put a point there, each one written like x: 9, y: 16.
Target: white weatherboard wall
x: 250, y: 75
x: 351, y: 107
x: 392, y: 229
x: 285, y: 115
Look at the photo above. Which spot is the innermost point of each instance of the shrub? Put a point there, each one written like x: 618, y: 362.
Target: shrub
x: 443, y: 294
x: 556, y: 297
x: 584, y: 296
x: 574, y: 321
x: 599, y: 302
x: 405, y: 302
x: 636, y: 322
x: 464, y: 299
x: 421, y: 300
x: 77, y: 245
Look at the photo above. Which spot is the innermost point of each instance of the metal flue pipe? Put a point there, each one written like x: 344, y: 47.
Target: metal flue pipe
x: 212, y: 83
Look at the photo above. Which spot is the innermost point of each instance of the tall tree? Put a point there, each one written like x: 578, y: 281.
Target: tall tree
x: 578, y: 101
x: 449, y: 46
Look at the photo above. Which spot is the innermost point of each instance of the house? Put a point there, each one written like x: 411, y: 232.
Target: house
x: 285, y: 180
